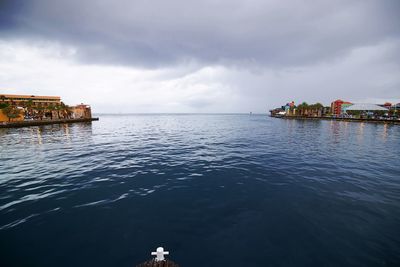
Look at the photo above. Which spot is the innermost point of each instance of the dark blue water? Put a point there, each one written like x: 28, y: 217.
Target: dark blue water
x: 214, y: 190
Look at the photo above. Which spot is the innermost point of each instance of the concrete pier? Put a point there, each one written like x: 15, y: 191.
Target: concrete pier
x: 43, y: 122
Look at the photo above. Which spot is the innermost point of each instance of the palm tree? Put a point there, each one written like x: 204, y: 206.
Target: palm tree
x: 318, y: 108
x: 67, y: 111
x: 3, y: 105
x: 302, y: 108
x: 40, y: 110
x: 51, y: 108
x: 306, y: 108
x: 29, y: 105
x: 59, y: 108
x: 318, y: 105
x: 11, y: 112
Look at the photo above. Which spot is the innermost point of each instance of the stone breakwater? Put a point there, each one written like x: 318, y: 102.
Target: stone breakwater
x: 43, y: 122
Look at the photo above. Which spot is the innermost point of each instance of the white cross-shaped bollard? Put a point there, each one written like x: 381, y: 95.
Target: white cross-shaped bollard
x: 160, y: 254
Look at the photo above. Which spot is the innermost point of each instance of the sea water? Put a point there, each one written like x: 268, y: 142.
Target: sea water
x: 214, y: 190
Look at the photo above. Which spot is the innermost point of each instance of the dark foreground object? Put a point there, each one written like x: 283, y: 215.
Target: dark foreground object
x: 38, y: 123
x: 153, y: 263
x: 337, y: 119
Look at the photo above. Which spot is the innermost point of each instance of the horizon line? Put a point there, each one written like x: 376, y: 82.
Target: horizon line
x: 180, y: 113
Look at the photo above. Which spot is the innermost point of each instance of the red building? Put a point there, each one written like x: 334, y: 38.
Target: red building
x: 336, y: 106
x: 387, y: 105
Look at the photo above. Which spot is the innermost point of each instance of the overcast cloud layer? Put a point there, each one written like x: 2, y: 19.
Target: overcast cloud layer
x: 201, y: 56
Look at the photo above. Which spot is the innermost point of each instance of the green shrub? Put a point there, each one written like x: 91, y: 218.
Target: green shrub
x: 3, y: 105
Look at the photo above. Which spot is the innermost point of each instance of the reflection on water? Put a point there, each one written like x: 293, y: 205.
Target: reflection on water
x: 46, y: 133
x: 39, y: 135
x: 385, y: 132
x: 360, y: 131
x: 337, y: 132
x: 107, y: 193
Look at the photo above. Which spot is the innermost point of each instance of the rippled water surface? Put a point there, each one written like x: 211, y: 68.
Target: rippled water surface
x: 214, y: 190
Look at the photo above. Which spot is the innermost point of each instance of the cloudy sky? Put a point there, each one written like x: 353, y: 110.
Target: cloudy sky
x: 200, y: 56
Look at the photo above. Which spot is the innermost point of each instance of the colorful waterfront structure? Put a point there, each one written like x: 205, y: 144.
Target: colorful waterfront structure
x: 338, y: 106
x: 387, y: 105
x: 341, y: 110
x: 344, y: 107
x: 81, y: 111
x: 15, y: 108
x: 289, y: 108
x: 286, y: 107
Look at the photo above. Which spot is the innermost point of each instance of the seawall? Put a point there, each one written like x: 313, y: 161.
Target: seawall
x: 43, y: 122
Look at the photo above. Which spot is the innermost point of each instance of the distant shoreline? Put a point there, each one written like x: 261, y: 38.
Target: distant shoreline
x: 175, y: 113
x: 397, y: 122
x: 19, y: 124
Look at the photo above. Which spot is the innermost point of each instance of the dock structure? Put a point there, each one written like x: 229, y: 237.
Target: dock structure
x: 19, y: 124
x: 159, y: 260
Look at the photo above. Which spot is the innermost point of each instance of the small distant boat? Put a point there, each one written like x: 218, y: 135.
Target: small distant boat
x: 280, y: 114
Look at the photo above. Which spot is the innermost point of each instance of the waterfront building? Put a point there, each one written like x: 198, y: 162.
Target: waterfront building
x: 366, y: 107
x: 81, y: 111
x: 31, y: 107
x: 395, y: 108
x: 387, y: 105
x: 340, y: 109
x: 336, y: 106
x: 33, y: 100
x: 344, y: 106
x: 363, y: 110
x: 289, y: 108
x: 326, y: 111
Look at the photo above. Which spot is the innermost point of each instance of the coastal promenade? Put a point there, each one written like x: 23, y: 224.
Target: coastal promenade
x: 397, y: 122
x: 43, y: 122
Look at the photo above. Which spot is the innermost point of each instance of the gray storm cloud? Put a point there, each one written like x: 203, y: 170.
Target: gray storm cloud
x: 201, y: 56
x: 242, y: 33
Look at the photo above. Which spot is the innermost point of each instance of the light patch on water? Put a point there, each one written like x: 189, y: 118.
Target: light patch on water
x: 183, y: 178
x: 94, y: 203
x: 196, y: 174
x: 123, y: 196
x: 20, y: 221
x: 17, y: 222
x: 31, y: 197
